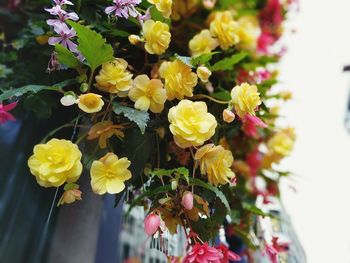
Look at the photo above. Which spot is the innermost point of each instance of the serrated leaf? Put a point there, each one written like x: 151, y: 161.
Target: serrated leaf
x: 168, y: 172
x: 66, y: 57
x: 228, y: 63
x: 139, y: 117
x: 92, y: 46
x: 212, y: 188
x: 203, y: 59
x: 17, y: 92
x: 222, y: 95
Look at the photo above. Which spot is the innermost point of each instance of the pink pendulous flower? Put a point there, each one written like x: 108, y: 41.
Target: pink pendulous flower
x: 272, y: 14
x: 280, y: 245
x: 265, y: 41
x: 228, y: 255
x: 250, y: 125
x: 5, y: 116
x: 61, y: 14
x: 151, y: 224
x: 187, y: 200
x: 254, y: 159
x: 124, y: 8
x: 203, y: 254
x: 272, y: 253
x: 64, y: 39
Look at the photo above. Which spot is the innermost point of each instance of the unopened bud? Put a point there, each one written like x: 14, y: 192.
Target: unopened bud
x: 68, y: 100
x: 187, y: 200
x: 134, y: 39
x: 209, y: 4
x: 228, y: 116
x: 203, y: 73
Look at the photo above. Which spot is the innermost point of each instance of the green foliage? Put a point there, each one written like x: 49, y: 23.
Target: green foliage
x: 92, y: 45
x: 253, y: 209
x: 4, y: 71
x: 222, y: 95
x: 66, y: 57
x: 139, y: 117
x: 203, y: 59
x: 228, y: 63
x: 168, y: 172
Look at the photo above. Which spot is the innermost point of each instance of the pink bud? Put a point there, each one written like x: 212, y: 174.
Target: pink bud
x: 187, y: 200
x: 152, y: 222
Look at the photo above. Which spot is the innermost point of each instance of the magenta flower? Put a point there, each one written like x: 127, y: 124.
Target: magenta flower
x: 124, y: 8
x: 228, y: 255
x: 151, y: 224
x: 62, y: 2
x: 64, y: 39
x: 250, y: 125
x: 5, y: 116
x: 265, y: 40
x: 61, y: 14
x: 203, y: 254
x: 272, y: 253
x: 253, y: 160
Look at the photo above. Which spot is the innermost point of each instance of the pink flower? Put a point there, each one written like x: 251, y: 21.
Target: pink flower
x: 228, y: 255
x: 187, y: 200
x: 262, y: 75
x: 203, y: 254
x: 5, y: 116
x: 272, y: 253
x: 271, y: 15
x: 151, y: 224
x: 62, y: 2
x: 265, y: 40
x: 280, y: 245
x: 62, y: 16
x: 253, y: 160
x: 250, y: 125
x: 64, y: 39
x: 124, y: 8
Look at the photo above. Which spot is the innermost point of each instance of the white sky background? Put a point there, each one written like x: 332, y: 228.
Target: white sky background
x: 312, y: 68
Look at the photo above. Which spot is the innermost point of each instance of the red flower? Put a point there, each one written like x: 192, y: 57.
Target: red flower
x: 228, y: 255
x: 253, y: 160
x: 5, y: 116
x: 265, y: 40
x: 250, y: 124
x: 272, y: 253
x: 203, y: 254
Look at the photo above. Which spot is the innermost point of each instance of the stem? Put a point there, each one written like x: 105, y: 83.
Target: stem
x: 203, y: 96
x: 91, y: 78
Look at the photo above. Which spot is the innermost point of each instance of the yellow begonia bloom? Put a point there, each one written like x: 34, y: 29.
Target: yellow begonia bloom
x: 202, y: 43
x: 157, y: 36
x: 104, y: 130
x: 183, y: 8
x: 225, y: 29
x: 179, y: 79
x: 109, y: 173
x: 90, y: 102
x: 216, y: 163
x: 282, y: 142
x: 148, y: 94
x: 245, y: 99
x: 114, y: 77
x: 248, y: 31
x: 163, y: 6
x: 55, y: 163
x: 191, y: 124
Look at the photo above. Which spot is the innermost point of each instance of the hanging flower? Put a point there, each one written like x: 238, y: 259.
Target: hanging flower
x: 157, y: 36
x: 151, y: 224
x: 203, y: 254
x: 66, y: 34
x: 71, y: 194
x: 245, y: 99
x: 187, y: 200
x: 254, y: 159
x: 5, y: 116
x: 55, y: 163
x: 228, y: 255
x: 228, y: 116
x: 216, y: 163
x: 249, y: 31
x: 124, y: 8
x: 203, y: 73
x: 148, y: 94
x: 250, y: 125
x: 191, y: 124
x: 163, y: 6
x: 104, y: 130
x: 202, y: 43
x: 90, y: 102
x: 179, y: 79
x: 114, y: 77
x: 109, y: 174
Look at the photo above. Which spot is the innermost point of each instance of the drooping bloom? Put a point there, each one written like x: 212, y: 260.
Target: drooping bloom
x: 70, y: 195
x: 66, y: 34
x: 202, y: 43
x: 203, y: 254
x: 228, y: 255
x: 254, y: 159
x: 245, y: 99
x: 228, y: 116
x: 114, y: 77
x: 148, y: 94
x: 225, y: 29
x: 157, y: 36
x: 103, y: 131
x: 216, y: 163
x: 163, y: 6
x: 123, y: 8
x: 179, y: 79
x: 250, y: 125
x: 151, y: 224
x: 61, y: 14
x: 90, y: 102
x: 5, y: 116
x: 187, y: 200
x: 265, y: 40
x: 191, y: 124
x: 55, y: 163
x: 109, y: 173
x: 272, y: 253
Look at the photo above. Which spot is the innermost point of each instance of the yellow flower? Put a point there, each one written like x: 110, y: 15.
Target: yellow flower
x: 55, y: 162
x: 282, y: 142
x: 248, y: 31
x: 114, y: 77
x: 183, y: 8
x: 104, y: 130
x: 179, y: 79
x: 148, y: 94
x: 245, y: 99
x: 157, y: 36
x: 90, y: 102
x: 191, y: 124
x: 109, y: 173
x: 203, y: 73
x: 216, y: 163
x: 202, y: 43
x: 163, y: 6
x: 225, y: 29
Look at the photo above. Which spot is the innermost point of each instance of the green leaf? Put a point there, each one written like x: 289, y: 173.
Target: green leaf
x: 212, y: 188
x: 92, y: 46
x: 139, y: 117
x: 228, y: 63
x: 34, y: 89
x: 253, y: 209
x: 203, y: 59
x: 222, y: 95
x: 168, y: 172
x: 66, y: 57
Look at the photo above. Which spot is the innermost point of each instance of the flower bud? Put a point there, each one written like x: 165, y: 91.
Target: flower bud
x: 209, y: 4
x: 134, y: 39
x: 151, y: 224
x: 228, y: 116
x: 70, y: 194
x: 68, y: 100
x: 187, y: 200
x: 203, y: 73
